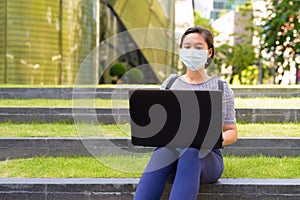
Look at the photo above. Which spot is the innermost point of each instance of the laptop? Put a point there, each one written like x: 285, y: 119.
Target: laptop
x: 176, y: 118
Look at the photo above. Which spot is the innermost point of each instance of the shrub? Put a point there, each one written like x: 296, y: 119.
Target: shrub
x: 134, y: 76
x: 118, y: 69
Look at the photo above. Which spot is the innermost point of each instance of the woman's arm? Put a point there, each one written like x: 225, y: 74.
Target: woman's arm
x: 230, y: 135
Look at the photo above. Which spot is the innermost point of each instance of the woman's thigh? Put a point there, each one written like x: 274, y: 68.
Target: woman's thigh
x: 161, y: 158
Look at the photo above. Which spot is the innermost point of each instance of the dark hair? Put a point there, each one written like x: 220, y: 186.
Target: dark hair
x: 207, y: 36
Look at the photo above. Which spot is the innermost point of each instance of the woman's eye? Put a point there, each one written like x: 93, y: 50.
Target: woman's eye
x: 186, y: 47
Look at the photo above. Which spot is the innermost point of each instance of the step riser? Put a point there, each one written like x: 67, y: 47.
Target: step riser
x: 32, y: 147
x: 120, y: 189
x: 108, y: 93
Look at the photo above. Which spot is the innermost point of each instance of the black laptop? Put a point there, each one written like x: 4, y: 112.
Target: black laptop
x: 176, y: 118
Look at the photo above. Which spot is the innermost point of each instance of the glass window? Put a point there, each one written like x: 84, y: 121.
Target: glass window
x: 214, y: 14
x: 219, y: 5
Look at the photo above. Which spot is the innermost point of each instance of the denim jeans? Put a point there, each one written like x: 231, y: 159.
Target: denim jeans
x: 190, y: 170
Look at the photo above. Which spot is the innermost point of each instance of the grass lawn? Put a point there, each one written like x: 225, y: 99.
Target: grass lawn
x: 132, y: 167
x: 261, y: 102
x: 96, y: 86
x: 124, y: 85
x: 267, y: 102
x: 97, y: 103
x: 84, y: 130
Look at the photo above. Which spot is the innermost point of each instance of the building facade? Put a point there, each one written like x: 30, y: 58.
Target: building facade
x: 45, y: 42
x: 215, y: 8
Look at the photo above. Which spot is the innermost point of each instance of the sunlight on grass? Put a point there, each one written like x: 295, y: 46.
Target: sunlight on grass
x: 76, y: 86
x: 63, y: 130
x: 123, y: 130
x: 261, y: 102
x: 261, y: 167
x: 133, y: 166
x: 268, y: 129
x: 267, y: 102
x: 67, y: 103
x: 74, y: 167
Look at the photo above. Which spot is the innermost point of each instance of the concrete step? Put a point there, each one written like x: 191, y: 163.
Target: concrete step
x: 121, y: 115
x: 55, y: 93
x: 124, y: 188
x: 122, y: 92
x: 260, y: 91
x: 11, y: 148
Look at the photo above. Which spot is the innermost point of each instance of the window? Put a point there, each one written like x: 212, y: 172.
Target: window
x: 218, y: 5
x: 214, y: 14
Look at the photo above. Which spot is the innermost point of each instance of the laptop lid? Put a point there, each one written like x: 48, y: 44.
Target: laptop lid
x: 176, y: 118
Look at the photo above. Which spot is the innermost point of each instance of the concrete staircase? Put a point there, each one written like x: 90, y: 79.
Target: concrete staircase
x: 122, y: 189
x: 11, y: 148
x: 122, y: 92
x: 108, y: 116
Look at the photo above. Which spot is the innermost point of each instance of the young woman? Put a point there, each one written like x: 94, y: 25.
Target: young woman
x: 196, y: 52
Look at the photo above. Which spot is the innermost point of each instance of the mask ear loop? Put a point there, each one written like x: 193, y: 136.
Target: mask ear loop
x: 208, y: 62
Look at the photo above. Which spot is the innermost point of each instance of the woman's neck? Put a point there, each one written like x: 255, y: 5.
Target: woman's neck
x: 198, y: 76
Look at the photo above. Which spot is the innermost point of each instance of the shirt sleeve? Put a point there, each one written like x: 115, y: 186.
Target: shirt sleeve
x: 229, y: 115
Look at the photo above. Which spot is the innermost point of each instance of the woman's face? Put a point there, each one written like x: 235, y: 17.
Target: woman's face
x: 196, y: 41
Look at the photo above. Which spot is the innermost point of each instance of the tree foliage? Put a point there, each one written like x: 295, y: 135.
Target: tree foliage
x: 203, y: 22
x: 281, y: 35
x: 241, y: 59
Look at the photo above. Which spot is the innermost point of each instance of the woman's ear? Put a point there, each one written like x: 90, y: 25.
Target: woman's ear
x: 209, y: 58
x: 210, y: 52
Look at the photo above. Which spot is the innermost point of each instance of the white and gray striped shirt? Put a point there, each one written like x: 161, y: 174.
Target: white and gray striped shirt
x: 211, y: 84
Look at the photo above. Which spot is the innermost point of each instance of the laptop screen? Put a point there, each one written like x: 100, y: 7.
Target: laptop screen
x: 176, y: 118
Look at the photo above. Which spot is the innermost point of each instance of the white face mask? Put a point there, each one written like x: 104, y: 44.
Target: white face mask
x: 194, y: 59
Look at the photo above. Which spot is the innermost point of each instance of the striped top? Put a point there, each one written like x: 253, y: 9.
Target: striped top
x: 211, y: 84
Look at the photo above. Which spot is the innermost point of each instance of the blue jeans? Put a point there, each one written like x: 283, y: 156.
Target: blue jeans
x: 190, y: 171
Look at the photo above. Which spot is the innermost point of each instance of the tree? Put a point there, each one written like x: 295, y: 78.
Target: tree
x: 203, y: 22
x: 240, y: 57
x: 281, y: 35
x: 117, y: 70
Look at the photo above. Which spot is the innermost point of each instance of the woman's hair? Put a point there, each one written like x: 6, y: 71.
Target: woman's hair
x: 207, y: 36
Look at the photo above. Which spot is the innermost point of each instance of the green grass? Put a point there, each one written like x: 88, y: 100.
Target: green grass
x: 132, y: 167
x: 84, y: 130
x: 286, y: 129
x: 267, y: 102
x: 155, y: 85
x: 97, y: 103
x: 262, y: 102
x: 34, y: 86
x: 264, y: 86
x: 261, y: 167
x: 77, y: 86
x: 62, y: 130
x: 72, y: 167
